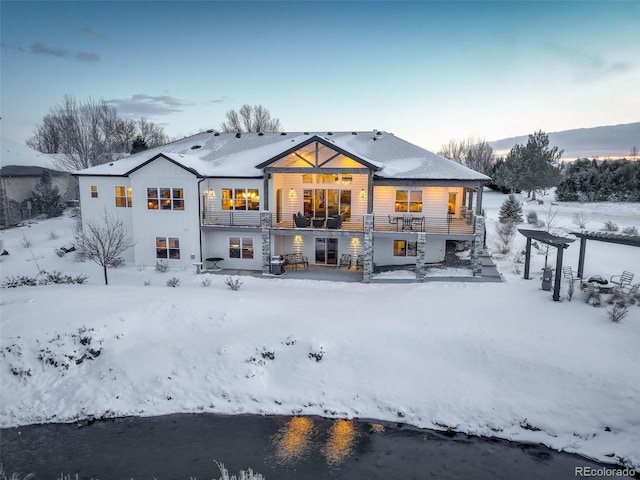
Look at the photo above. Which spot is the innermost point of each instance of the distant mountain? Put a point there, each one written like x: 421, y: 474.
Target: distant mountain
x: 613, y: 141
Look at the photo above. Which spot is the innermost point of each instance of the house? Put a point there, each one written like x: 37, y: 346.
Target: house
x: 243, y: 197
x: 22, y: 169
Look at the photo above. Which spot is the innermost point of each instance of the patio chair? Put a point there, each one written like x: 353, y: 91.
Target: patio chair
x: 360, y: 262
x: 622, y: 280
x: 345, y: 260
x: 334, y: 222
x: 630, y: 290
x: 300, y: 220
x: 567, y: 272
x: 407, y: 222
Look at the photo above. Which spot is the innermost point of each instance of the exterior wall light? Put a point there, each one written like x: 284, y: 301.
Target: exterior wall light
x: 292, y: 193
x: 363, y: 194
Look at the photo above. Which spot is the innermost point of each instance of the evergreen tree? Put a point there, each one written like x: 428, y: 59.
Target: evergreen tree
x: 46, y: 197
x: 138, y: 145
x: 531, y: 167
x: 511, y: 210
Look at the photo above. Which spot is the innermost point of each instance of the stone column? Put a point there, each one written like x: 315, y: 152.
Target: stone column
x: 265, y: 225
x: 477, y: 246
x: 368, y: 248
x: 421, y: 256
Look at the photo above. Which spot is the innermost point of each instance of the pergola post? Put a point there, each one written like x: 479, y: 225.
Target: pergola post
x: 583, y: 248
x: 527, y: 259
x: 556, y: 287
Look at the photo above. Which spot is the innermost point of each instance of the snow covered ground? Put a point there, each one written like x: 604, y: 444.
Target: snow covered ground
x: 493, y: 359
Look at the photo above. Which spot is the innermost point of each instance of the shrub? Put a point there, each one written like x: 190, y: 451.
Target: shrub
x: 147, y: 282
x: 46, y: 278
x: 26, y: 241
x: 206, y: 282
x: 506, y: 232
x: 511, y: 210
x: 593, y: 296
x: 630, y: 231
x: 161, y: 266
x: 610, y: 226
x: 53, y: 236
x: 233, y: 283
x: 579, y: 220
x: 617, y: 312
x: 173, y: 282
x: 532, y: 217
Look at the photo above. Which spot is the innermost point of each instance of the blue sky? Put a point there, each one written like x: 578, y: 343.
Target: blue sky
x: 425, y: 71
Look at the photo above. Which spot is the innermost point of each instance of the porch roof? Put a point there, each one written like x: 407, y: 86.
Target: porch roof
x: 214, y: 154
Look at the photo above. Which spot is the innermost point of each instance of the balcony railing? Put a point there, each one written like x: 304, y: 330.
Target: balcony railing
x: 464, y: 224
x: 231, y: 218
x: 451, y: 224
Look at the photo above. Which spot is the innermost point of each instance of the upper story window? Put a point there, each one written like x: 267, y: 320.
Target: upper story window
x: 165, y: 198
x: 240, y: 199
x: 94, y: 191
x: 408, y: 200
x: 123, y: 196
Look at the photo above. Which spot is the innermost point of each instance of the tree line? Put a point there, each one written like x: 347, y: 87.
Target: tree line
x: 600, y: 181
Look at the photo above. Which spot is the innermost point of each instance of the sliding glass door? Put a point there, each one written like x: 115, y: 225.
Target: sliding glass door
x: 326, y: 251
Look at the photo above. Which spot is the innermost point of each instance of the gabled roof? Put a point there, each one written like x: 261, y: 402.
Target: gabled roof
x: 214, y: 154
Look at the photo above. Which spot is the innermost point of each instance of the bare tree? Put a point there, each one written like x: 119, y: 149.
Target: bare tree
x: 474, y: 153
x: 89, y: 133
x: 250, y: 119
x: 103, y: 242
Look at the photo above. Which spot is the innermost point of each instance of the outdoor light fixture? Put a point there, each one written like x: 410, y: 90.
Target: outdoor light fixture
x: 292, y: 193
x: 212, y: 193
x: 363, y: 194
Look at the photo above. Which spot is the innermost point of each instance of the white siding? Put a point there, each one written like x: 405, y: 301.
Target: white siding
x: 149, y: 224
x: 306, y: 245
x: 383, y: 250
x: 94, y: 209
x: 216, y: 244
x: 434, y: 200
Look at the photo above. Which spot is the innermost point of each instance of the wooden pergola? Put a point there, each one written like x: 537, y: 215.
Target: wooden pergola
x: 620, y: 239
x: 545, y: 237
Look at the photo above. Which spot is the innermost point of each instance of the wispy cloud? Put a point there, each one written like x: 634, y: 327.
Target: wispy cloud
x: 87, y: 57
x: 589, y: 65
x: 40, y: 48
x: 141, y: 105
x: 222, y: 99
x: 91, y: 32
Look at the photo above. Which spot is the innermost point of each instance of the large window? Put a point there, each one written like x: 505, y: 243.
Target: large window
x: 327, y: 203
x: 404, y: 248
x: 168, y: 248
x: 241, y: 247
x: 240, y: 199
x: 94, y: 191
x: 165, y: 198
x: 123, y: 196
x: 408, y: 200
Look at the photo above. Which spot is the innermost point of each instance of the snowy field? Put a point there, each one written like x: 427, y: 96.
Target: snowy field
x: 492, y: 359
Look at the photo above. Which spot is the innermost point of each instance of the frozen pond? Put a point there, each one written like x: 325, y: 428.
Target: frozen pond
x: 185, y: 445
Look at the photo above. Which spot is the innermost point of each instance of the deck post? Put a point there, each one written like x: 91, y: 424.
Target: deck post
x: 368, y: 248
x: 265, y: 224
x: 421, y: 256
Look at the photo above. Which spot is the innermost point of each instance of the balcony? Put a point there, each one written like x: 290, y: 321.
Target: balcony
x: 231, y: 218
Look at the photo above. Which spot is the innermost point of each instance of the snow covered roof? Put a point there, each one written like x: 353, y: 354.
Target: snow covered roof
x: 14, y: 153
x: 214, y: 154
